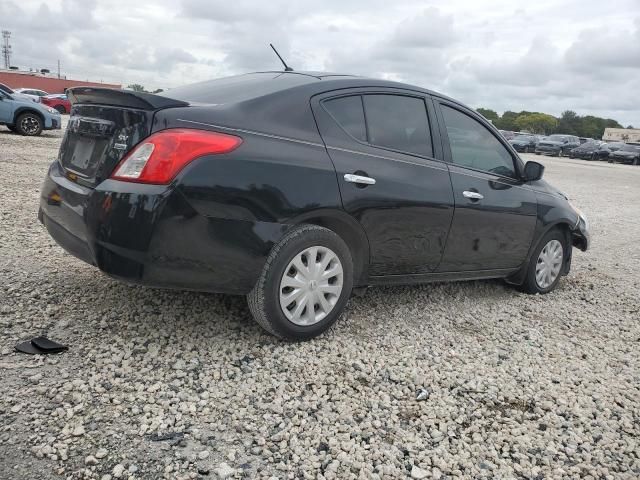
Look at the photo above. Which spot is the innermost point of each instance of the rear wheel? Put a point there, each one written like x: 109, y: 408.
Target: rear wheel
x: 29, y: 124
x: 60, y: 109
x: 304, y: 285
x: 546, y: 264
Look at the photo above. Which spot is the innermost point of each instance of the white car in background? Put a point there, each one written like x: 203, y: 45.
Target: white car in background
x: 32, y: 93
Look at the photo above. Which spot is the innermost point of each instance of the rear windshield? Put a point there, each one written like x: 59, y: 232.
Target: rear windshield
x: 238, y: 88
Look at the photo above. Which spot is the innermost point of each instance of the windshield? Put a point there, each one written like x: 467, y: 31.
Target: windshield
x: 5, y: 89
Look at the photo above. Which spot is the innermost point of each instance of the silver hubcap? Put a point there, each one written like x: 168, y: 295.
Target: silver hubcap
x: 29, y: 125
x: 549, y: 264
x: 311, y: 285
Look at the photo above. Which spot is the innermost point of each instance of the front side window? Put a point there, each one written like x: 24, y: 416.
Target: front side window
x: 473, y: 145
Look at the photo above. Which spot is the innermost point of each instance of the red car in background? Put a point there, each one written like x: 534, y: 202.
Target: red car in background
x: 60, y: 102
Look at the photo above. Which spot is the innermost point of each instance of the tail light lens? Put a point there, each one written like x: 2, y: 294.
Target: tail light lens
x: 160, y: 157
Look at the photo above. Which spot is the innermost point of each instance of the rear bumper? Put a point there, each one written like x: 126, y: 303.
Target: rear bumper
x: 150, y: 235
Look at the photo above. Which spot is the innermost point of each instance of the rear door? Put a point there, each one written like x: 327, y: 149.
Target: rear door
x: 495, y: 211
x: 389, y: 176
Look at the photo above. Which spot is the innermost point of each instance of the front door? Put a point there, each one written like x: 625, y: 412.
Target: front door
x: 381, y: 146
x: 495, y: 211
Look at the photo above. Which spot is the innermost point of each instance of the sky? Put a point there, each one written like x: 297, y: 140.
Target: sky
x: 536, y: 55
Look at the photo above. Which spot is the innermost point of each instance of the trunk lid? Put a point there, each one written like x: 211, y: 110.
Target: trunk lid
x: 104, y: 126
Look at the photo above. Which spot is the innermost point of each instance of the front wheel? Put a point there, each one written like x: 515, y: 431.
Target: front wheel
x: 546, y: 264
x: 29, y: 124
x: 304, y: 285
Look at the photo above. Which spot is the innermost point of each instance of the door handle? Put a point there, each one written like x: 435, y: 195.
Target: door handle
x: 472, y: 195
x: 352, y: 178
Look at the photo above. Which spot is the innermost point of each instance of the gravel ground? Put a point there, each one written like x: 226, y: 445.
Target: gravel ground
x: 162, y: 384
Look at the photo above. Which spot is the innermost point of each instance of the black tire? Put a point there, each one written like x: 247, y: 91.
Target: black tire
x: 264, y: 299
x: 29, y: 124
x: 530, y: 284
x: 61, y: 110
x: 12, y: 128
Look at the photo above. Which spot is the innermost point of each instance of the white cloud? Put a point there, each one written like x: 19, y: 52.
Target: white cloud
x: 548, y: 55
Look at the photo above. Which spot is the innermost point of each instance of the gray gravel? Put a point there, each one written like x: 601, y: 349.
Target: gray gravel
x: 164, y: 384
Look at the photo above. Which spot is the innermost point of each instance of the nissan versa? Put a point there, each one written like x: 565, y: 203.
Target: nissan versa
x: 294, y: 188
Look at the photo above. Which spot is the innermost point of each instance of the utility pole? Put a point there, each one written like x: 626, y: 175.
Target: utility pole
x: 58, y: 68
x: 6, y: 48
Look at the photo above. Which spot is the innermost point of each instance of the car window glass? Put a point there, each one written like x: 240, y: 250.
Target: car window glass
x: 473, y: 145
x: 398, y: 122
x: 348, y: 112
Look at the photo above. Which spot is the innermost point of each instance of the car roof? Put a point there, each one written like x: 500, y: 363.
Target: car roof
x: 253, y: 85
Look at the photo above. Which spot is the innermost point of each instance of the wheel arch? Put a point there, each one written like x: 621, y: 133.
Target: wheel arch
x: 561, y: 224
x: 22, y: 110
x: 350, y: 231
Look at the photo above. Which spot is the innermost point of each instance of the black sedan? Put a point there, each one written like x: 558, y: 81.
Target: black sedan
x: 627, y: 154
x: 586, y: 151
x: 603, y: 152
x: 524, y: 143
x: 272, y: 185
x: 557, y: 145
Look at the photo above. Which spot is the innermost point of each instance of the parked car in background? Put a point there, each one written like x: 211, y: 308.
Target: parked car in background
x: 22, y: 115
x: 32, y: 92
x: 585, y: 140
x: 60, y: 102
x: 586, y: 151
x: 508, y: 134
x: 605, y: 149
x: 210, y: 187
x: 627, y: 154
x: 557, y: 145
x: 6, y: 89
x: 524, y: 143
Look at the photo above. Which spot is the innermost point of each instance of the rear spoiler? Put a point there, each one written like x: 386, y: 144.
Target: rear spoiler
x: 121, y: 98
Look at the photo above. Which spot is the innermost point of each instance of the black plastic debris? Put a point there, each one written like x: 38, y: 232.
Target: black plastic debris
x: 40, y: 346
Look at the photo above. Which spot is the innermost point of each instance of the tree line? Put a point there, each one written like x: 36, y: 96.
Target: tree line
x: 569, y: 123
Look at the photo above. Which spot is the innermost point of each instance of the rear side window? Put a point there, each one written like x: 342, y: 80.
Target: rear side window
x: 348, y: 112
x: 390, y: 121
x: 473, y: 145
x: 399, y: 123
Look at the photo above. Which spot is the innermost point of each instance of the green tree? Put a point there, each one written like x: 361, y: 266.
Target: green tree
x: 536, y: 122
x: 136, y: 87
x: 569, y: 123
x: 158, y: 90
x: 507, y: 121
x: 489, y: 114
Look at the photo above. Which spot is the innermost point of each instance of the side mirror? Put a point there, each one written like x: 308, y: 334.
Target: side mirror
x: 533, y: 171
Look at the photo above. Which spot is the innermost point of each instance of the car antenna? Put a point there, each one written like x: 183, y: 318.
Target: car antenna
x: 287, y: 68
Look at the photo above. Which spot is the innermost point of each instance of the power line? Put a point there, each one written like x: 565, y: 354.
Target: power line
x: 6, y: 48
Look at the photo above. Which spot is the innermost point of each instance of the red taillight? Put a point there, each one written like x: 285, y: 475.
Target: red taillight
x: 160, y: 157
